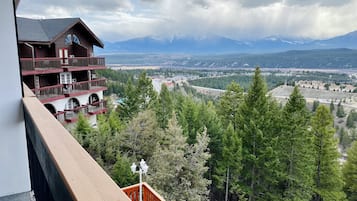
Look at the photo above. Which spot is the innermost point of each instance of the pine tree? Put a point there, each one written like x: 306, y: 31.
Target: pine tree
x: 82, y: 130
x: 188, y: 118
x: 164, y: 107
x: 328, y: 181
x: 130, y: 106
x: 256, y: 126
x: 194, y: 186
x: 296, y: 155
x: 230, y: 163
x: 140, y: 137
x: 315, y: 105
x: 168, y: 162
x: 350, y: 173
x: 351, y: 118
x: 121, y: 172
x: 332, y: 106
x: 340, y: 111
x: 229, y: 104
x: 145, y: 92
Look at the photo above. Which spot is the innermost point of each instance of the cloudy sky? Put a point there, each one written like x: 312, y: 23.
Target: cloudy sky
x: 116, y: 20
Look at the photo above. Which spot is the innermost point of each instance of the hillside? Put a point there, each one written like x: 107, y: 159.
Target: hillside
x: 223, y: 45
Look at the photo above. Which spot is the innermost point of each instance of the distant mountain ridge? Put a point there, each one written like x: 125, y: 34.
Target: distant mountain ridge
x: 223, y: 45
x: 341, y: 58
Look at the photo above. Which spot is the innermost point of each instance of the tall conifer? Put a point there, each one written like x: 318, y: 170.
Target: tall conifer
x: 328, y: 181
x: 350, y: 173
x: 296, y: 155
x: 259, y: 159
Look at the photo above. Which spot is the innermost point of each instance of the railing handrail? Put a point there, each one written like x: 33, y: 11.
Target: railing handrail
x: 89, y: 81
x: 48, y: 87
x: 74, y: 83
x: 41, y: 59
x: 135, y: 187
x: 56, y: 58
x: 81, y: 175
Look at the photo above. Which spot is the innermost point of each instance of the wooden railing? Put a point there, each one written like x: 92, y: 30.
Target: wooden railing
x: 96, y: 106
x: 60, y: 168
x: 49, y: 91
x: 89, y: 109
x: 72, y: 114
x: 86, y: 85
x: 149, y: 194
x: 59, y: 89
x: 55, y: 62
x: 41, y: 63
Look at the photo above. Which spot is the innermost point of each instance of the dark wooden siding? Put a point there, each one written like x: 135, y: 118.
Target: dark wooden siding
x: 49, y: 80
x: 84, y: 42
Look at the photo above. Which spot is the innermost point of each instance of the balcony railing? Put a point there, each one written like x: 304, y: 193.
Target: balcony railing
x: 86, y: 85
x: 55, y: 62
x: 49, y: 91
x: 72, y: 114
x: 89, y: 109
x: 40, y: 63
x: 149, y: 194
x: 96, y: 107
x: 61, y: 89
x: 60, y: 168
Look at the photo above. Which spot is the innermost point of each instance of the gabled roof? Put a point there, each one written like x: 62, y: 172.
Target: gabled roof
x: 48, y: 30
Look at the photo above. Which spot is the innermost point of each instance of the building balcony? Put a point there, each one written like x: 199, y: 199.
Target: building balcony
x: 59, y: 91
x: 149, y: 194
x: 79, y: 87
x: 71, y: 115
x: 54, y: 64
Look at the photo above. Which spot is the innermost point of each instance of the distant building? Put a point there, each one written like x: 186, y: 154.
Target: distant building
x: 58, y: 65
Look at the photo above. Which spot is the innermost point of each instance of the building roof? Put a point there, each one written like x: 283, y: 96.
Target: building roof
x: 48, y: 30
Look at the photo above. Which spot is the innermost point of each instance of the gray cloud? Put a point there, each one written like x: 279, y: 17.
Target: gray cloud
x: 327, y: 3
x: 73, y: 6
x: 238, y: 19
x: 257, y: 3
x: 262, y: 3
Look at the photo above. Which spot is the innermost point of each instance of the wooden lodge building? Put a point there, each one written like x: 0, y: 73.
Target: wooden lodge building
x: 58, y: 65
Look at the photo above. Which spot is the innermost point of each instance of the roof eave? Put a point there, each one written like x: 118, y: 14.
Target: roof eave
x: 35, y: 42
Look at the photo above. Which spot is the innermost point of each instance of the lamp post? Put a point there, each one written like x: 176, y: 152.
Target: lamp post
x: 143, y: 169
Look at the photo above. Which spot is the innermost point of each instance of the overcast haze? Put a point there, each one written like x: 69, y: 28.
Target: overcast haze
x: 116, y: 20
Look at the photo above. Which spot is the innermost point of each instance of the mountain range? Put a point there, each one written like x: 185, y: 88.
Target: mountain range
x: 223, y: 45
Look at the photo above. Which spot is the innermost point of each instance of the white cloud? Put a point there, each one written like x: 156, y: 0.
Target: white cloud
x: 240, y: 19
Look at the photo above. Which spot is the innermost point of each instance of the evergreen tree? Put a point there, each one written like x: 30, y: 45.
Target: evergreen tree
x: 351, y: 118
x: 82, y: 130
x: 145, y: 92
x: 164, y: 108
x: 168, y: 162
x: 296, y: 154
x: 140, y: 137
x: 193, y: 185
x: 332, y: 106
x: 340, y: 111
x: 328, y: 181
x: 130, y: 105
x: 230, y: 164
x: 229, y: 104
x: 315, y: 105
x: 345, y: 140
x: 121, y: 172
x: 188, y: 118
x: 350, y: 173
x: 256, y: 128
